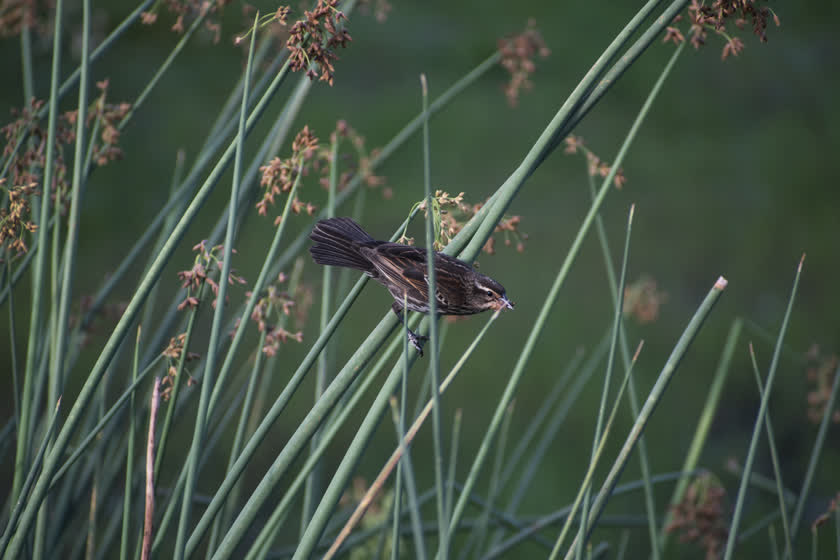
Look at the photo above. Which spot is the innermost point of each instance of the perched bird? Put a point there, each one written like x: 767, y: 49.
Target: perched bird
x: 461, y: 290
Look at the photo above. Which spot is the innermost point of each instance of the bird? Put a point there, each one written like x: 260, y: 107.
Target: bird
x: 403, y: 270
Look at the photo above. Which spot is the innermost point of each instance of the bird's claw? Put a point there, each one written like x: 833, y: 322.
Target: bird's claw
x: 417, y: 340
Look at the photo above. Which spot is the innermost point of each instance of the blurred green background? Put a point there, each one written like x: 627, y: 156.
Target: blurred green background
x: 733, y: 174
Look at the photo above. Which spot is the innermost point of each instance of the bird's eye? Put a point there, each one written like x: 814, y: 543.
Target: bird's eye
x: 489, y: 293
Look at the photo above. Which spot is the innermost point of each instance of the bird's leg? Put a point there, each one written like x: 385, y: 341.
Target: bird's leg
x: 416, y: 340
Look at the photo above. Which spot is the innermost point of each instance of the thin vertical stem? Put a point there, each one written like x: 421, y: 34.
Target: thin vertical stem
x: 619, y: 309
x: 121, y: 329
x: 36, y: 340
x: 759, y: 422
x: 129, y: 457
x: 311, y: 490
x: 653, y: 399
x: 704, y: 424
x: 398, y: 483
x: 828, y: 412
x: 150, y: 472
x: 631, y: 388
x: 404, y: 465
x: 30, y: 478
x: 13, y: 343
x: 453, y: 459
x: 216, y: 335
x: 774, y: 455
x: 434, y: 359
x: 62, y: 325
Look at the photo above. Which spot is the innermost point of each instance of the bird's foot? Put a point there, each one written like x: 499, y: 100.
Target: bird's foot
x: 417, y: 340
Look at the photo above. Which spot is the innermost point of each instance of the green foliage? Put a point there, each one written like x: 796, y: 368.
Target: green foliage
x: 297, y: 477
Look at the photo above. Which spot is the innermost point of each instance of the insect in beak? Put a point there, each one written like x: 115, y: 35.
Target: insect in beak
x: 505, y: 302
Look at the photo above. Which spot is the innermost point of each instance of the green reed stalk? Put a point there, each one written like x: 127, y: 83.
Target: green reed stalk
x: 131, y: 312
x: 434, y: 358
x: 213, y: 345
x: 774, y: 456
x: 653, y: 399
x: 619, y: 309
x: 35, y: 339
x: 759, y: 422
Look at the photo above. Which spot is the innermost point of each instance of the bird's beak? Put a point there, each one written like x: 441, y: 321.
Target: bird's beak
x: 505, y: 302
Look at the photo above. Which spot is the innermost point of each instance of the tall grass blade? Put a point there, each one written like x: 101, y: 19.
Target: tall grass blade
x: 616, y: 327
x: 774, y: 455
x: 536, y: 525
x: 213, y: 346
x: 704, y: 424
x: 30, y: 478
x: 35, y: 339
x: 398, y: 453
x: 653, y: 399
x: 150, y: 473
x: 587, y: 479
x: 813, y: 462
x: 71, y: 243
x: 121, y: 330
x: 434, y: 358
x: 129, y: 459
x: 324, y: 363
x: 759, y: 421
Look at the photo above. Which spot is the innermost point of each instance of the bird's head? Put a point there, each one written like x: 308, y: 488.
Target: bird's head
x: 489, y: 294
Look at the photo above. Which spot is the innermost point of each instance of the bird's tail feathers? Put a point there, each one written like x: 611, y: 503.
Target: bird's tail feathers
x: 337, y: 242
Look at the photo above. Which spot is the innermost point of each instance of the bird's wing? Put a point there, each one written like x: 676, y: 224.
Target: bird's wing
x: 402, y: 266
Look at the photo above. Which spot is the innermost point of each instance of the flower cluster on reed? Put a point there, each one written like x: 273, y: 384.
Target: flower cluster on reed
x: 314, y: 39
x: 704, y: 17
x: 518, y: 52
x: 642, y: 300
x: 187, y: 11
x: 279, y: 175
x: 700, y: 518
x: 451, y: 213
x: 205, y: 263
x: 595, y: 166
x: 270, y: 312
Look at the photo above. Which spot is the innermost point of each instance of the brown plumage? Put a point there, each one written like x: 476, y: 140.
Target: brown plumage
x: 461, y: 290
